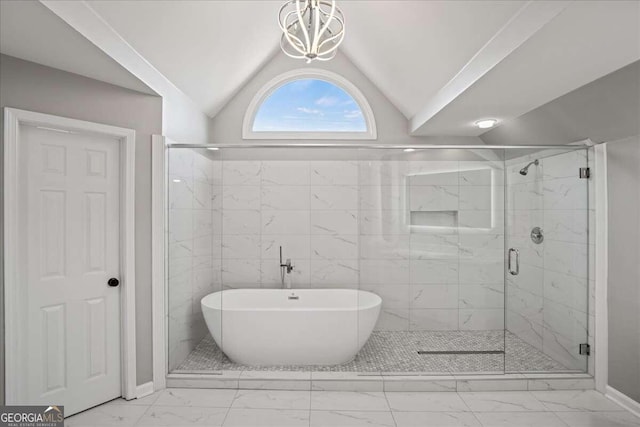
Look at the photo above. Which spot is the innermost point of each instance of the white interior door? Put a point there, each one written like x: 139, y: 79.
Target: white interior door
x: 69, y: 219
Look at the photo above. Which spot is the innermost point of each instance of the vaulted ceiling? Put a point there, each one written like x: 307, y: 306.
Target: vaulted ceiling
x: 412, y: 49
x: 443, y: 64
x: 206, y: 48
x: 29, y: 31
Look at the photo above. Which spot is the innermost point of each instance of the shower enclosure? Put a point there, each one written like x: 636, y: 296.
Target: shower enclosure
x: 480, y: 254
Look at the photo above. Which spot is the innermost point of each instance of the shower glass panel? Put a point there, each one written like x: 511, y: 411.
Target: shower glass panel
x: 417, y: 240
x: 548, y: 248
x: 193, y: 256
x: 432, y: 246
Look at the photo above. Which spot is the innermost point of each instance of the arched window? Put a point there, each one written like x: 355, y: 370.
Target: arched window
x: 309, y: 104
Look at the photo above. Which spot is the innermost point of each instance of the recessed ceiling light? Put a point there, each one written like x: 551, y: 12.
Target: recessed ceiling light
x: 486, y: 123
x: 409, y: 150
x: 177, y: 180
x: 213, y: 148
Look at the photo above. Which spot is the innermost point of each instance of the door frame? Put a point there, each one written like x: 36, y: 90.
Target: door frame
x: 15, y: 296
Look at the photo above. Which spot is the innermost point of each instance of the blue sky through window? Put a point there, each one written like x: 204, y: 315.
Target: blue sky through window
x: 309, y: 105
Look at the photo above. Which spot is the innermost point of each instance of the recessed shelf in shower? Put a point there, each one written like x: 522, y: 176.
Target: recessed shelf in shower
x: 433, y: 219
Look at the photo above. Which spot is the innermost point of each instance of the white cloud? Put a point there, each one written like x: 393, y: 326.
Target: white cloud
x: 309, y: 111
x: 352, y: 114
x: 327, y: 101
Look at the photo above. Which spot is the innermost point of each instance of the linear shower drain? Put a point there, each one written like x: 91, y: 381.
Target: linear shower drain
x: 462, y: 352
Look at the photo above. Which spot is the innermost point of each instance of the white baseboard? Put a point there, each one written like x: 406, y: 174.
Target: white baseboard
x: 144, y: 389
x: 623, y: 400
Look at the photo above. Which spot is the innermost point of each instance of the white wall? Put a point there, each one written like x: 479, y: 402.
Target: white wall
x: 29, y: 86
x: 624, y: 265
x: 183, y: 122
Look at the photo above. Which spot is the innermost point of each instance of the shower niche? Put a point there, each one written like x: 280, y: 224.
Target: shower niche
x: 432, y: 199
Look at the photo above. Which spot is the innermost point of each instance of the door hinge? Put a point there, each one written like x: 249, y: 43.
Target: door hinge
x: 585, y: 350
x: 585, y: 173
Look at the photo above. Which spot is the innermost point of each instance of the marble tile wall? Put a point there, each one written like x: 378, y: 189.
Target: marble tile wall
x: 445, y: 277
x: 547, y: 303
x: 346, y: 224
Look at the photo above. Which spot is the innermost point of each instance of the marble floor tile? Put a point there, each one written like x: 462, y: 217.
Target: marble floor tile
x: 351, y: 419
x: 348, y: 400
x: 182, y: 416
x: 272, y: 399
x: 507, y: 401
x: 108, y: 414
x: 145, y: 401
x: 519, y: 419
x: 278, y: 408
x: 427, y: 402
x: 361, y: 385
x: 266, y: 417
x: 599, y: 419
x: 435, y: 419
x: 214, y: 398
x: 393, y: 384
x: 575, y: 400
x: 275, y: 385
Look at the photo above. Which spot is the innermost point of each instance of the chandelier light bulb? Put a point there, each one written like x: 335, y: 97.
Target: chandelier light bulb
x: 311, y: 29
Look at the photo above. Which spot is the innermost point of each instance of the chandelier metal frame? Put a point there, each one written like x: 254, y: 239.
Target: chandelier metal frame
x: 311, y: 29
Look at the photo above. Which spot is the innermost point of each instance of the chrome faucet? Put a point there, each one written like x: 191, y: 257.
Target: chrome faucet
x: 286, y: 267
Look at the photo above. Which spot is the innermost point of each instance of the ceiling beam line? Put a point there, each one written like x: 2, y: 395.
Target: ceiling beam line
x: 81, y: 16
x: 521, y: 27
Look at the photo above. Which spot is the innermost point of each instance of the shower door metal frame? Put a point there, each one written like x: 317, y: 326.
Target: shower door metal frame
x: 577, y: 146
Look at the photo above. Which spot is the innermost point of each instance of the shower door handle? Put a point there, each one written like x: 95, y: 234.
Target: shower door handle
x: 511, y: 270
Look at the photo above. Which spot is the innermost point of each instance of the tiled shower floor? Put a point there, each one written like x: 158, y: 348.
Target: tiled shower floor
x: 397, y: 352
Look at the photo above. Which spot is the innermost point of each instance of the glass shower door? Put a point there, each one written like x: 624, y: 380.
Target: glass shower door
x: 547, y: 255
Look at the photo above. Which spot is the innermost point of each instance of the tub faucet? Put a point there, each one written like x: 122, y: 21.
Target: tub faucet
x: 285, y: 267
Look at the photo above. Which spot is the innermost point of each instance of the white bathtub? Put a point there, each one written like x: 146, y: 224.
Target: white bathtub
x: 268, y: 327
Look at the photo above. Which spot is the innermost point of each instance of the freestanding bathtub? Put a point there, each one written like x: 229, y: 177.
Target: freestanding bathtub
x: 271, y: 327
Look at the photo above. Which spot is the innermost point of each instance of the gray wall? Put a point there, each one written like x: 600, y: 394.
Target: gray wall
x: 29, y: 86
x: 623, y: 166
x: 606, y: 109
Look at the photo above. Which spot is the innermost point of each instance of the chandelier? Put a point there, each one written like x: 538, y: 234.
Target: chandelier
x: 311, y: 29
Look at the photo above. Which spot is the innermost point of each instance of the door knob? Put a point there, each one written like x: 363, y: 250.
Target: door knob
x: 113, y: 282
